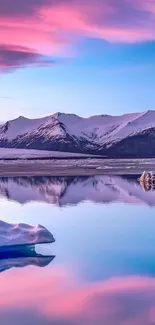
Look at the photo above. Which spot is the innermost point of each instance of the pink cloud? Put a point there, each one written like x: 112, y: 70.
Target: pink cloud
x: 12, y: 57
x: 51, y: 26
x: 121, y: 20
x: 56, y: 295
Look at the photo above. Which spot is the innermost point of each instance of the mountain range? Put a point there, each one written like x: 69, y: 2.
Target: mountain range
x: 128, y: 135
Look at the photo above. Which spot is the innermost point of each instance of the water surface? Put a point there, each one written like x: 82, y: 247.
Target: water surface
x: 101, y: 267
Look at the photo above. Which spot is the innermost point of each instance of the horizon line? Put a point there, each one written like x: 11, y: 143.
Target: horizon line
x: 95, y: 115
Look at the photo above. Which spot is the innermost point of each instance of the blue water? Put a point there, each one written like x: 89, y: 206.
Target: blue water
x: 104, y: 266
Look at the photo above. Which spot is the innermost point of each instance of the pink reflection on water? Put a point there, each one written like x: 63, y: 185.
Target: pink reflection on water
x: 56, y: 295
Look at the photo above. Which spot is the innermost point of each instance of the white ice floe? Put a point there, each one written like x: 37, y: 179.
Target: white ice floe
x: 23, y: 234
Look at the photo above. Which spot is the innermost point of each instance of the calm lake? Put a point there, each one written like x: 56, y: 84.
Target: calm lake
x: 100, y: 269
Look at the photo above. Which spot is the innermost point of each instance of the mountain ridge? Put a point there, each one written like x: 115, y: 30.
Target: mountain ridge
x: 98, y: 134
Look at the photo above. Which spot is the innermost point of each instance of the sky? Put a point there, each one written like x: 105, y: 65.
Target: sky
x: 76, y: 56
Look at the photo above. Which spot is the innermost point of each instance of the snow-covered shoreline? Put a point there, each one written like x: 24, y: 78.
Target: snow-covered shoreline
x: 75, y: 167
x: 9, y: 153
x: 24, y: 162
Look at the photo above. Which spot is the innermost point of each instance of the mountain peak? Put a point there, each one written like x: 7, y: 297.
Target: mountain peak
x: 56, y: 115
x: 149, y: 111
x: 59, y: 114
x: 21, y: 118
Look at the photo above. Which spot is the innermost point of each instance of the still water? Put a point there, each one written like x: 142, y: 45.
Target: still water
x: 101, y: 267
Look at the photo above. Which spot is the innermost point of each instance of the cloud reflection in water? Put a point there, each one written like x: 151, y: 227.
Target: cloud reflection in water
x: 51, y: 298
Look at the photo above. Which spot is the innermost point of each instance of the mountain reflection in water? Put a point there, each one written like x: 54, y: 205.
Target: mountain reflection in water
x: 63, y: 191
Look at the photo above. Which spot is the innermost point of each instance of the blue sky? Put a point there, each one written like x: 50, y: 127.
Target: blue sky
x: 92, y: 74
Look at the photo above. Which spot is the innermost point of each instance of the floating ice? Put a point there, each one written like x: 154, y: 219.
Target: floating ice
x: 23, y: 234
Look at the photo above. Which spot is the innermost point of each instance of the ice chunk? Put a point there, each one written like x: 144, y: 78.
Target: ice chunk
x: 23, y: 234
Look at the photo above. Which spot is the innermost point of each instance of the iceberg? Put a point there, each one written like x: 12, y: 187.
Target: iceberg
x: 19, y: 234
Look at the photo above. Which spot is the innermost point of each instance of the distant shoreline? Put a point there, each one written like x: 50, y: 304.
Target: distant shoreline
x: 15, y: 172
x: 52, y: 158
x: 74, y: 167
x: 16, y: 154
x: 73, y: 158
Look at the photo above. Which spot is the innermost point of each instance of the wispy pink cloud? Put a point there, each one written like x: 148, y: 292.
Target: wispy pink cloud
x: 50, y: 26
x: 12, y: 57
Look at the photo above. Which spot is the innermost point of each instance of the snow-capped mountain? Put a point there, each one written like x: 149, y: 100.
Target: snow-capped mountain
x: 125, y: 135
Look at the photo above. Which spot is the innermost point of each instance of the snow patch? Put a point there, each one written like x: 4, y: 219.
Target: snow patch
x: 7, y: 153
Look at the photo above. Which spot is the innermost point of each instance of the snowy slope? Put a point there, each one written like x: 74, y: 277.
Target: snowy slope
x: 132, y: 125
x: 19, y: 126
x: 69, y: 132
x: 9, y: 153
x: 63, y: 191
x: 100, y: 126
